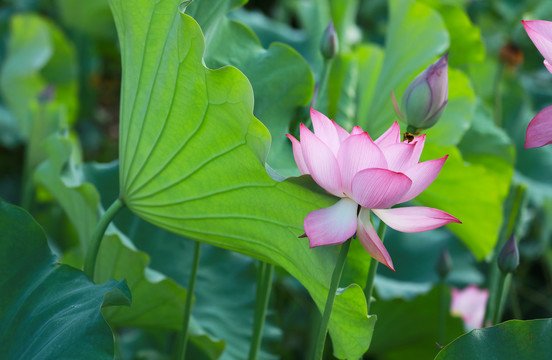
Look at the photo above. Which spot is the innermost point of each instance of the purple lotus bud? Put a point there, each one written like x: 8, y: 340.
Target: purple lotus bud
x: 508, y: 259
x: 425, y: 98
x: 329, y: 46
x: 444, y: 264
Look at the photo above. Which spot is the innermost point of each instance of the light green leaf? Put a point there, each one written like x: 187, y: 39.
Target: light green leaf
x: 474, y: 194
x: 192, y: 154
x: 513, y: 339
x: 158, y: 301
x: 354, y: 332
x: 38, y: 56
x: 48, y: 310
x: 78, y: 200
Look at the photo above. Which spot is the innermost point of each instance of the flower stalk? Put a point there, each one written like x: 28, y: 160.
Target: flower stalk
x: 97, y: 236
x: 264, y: 285
x: 336, y: 276
x: 496, y: 281
x: 183, y: 335
x: 329, y: 48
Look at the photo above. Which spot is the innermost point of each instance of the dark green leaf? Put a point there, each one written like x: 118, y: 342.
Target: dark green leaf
x: 48, y: 310
x: 513, y: 339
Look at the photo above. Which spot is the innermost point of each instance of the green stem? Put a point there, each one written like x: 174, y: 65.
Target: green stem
x: 183, y: 335
x: 368, y: 289
x: 512, y: 210
x: 443, y: 311
x: 322, y: 86
x: 264, y: 285
x: 336, y: 276
x: 501, y: 290
x: 97, y: 236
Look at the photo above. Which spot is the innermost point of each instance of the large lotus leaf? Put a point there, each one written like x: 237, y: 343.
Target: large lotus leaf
x: 514, y: 339
x: 192, y: 154
x: 38, y: 56
x: 416, y: 35
x: 49, y: 311
x: 418, y: 321
x: 158, y: 301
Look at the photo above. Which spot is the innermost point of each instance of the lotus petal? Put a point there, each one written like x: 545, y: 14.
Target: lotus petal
x: 332, y: 225
x: 321, y: 162
x: 379, y: 188
x: 370, y: 240
x: 539, y: 131
x: 414, y: 219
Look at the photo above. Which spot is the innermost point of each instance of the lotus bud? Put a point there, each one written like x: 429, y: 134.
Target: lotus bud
x: 508, y: 259
x: 444, y: 264
x: 329, y: 46
x: 425, y: 98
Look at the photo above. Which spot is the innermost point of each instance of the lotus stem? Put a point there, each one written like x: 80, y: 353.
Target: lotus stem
x: 321, y: 86
x: 512, y: 210
x: 97, y: 236
x: 500, y: 297
x: 336, y: 276
x: 183, y: 335
x: 264, y: 285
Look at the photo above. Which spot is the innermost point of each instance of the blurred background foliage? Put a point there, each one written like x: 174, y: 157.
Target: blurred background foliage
x: 59, y: 106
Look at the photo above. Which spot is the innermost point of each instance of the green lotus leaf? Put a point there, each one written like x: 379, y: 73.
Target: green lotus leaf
x: 49, y: 310
x: 192, y: 154
x: 514, y: 339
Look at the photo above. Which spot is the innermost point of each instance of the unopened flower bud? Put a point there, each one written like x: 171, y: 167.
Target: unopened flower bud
x: 444, y: 264
x: 329, y: 46
x: 508, y: 259
x: 426, y: 97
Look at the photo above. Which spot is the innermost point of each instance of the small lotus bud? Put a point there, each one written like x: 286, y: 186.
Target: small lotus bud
x: 426, y: 97
x: 444, y: 264
x: 508, y: 259
x: 329, y: 46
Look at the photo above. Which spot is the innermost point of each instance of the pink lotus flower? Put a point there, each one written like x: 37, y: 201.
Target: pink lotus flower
x: 539, y: 131
x: 372, y: 175
x: 540, y: 32
x: 470, y: 305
